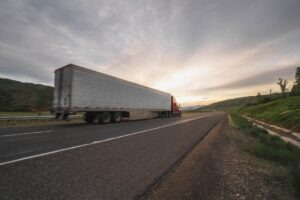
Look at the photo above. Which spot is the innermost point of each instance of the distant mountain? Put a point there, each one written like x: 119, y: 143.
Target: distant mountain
x: 191, y: 107
x: 18, y: 96
x: 230, y: 103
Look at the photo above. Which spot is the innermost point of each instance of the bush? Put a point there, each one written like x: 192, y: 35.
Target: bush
x: 295, y: 90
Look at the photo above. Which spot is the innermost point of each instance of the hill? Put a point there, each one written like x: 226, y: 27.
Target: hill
x: 284, y: 112
x: 274, y: 109
x: 189, y: 108
x: 18, y: 96
x: 230, y: 104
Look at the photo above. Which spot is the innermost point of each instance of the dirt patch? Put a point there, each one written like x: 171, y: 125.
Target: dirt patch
x: 220, y: 167
x: 280, y: 131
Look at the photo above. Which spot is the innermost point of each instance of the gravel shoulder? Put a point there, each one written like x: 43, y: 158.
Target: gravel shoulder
x: 221, y: 167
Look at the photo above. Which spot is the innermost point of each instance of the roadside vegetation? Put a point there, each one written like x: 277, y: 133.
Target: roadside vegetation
x: 281, y: 109
x: 272, y: 148
x: 37, y: 122
x: 230, y: 104
x: 283, y: 112
x: 4, y: 114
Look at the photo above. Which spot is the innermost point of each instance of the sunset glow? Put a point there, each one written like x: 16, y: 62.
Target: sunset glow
x: 199, y: 51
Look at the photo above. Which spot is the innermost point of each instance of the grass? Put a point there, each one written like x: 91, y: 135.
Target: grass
x: 232, y: 104
x: 283, y: 112
x: 36, y: 122
x: 2, y: 114
x: 272, y: 148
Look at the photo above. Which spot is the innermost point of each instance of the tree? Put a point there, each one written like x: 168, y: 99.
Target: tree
x: 283, y: 85
x: 5, y: 100
x: 297, y: 76
x: 258, y: 95
x: 296, y: 87
x: 261, y: 99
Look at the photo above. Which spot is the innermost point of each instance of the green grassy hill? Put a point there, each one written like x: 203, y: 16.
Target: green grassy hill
x: 237, y: 103
x: 18, y: 96
x: 230, y: 104
x: 284, y: 112
x: 274, y: 109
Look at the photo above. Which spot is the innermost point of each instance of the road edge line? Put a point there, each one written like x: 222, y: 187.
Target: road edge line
x: 147, y: 192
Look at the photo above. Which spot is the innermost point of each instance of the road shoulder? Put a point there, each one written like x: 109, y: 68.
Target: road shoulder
x: 221, y: 168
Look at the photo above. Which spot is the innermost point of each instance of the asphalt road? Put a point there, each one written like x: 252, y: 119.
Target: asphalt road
x: 115, y: 161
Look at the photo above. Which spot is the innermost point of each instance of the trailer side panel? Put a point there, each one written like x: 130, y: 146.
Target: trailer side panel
x: 93, y: 91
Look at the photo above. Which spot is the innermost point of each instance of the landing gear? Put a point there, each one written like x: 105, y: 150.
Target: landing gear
x: 65, y: 116
x: 89, y: 118
x: 57, y: 115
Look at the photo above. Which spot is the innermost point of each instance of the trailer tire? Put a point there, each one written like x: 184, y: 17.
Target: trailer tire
x: 105, y: 118
x: 116, y: 117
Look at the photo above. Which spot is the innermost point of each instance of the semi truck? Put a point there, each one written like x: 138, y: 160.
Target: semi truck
x: 104, y: 98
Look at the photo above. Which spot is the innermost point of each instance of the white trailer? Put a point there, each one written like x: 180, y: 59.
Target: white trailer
x: 105, y: 98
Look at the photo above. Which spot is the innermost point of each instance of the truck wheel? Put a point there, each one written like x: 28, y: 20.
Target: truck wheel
x: 105, y: 117
x: 117, y: 116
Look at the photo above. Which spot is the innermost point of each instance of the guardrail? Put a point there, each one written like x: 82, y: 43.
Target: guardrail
x: 7, y: 118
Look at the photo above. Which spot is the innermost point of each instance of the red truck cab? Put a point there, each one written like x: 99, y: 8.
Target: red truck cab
x: 175, y: 108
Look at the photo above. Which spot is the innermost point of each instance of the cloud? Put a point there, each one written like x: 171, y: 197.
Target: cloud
x: 177, y: 46
x: 265, y: 78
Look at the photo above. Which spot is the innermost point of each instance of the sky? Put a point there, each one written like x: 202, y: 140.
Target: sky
x: 201, y: 51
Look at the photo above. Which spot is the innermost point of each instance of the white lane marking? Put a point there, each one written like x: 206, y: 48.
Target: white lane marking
x: 101, y: 141
x: 18, y: 134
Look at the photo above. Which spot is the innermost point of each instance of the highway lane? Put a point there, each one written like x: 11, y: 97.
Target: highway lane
x: 19, y: 142
x: 121, y: 168
x: 22, y: 142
